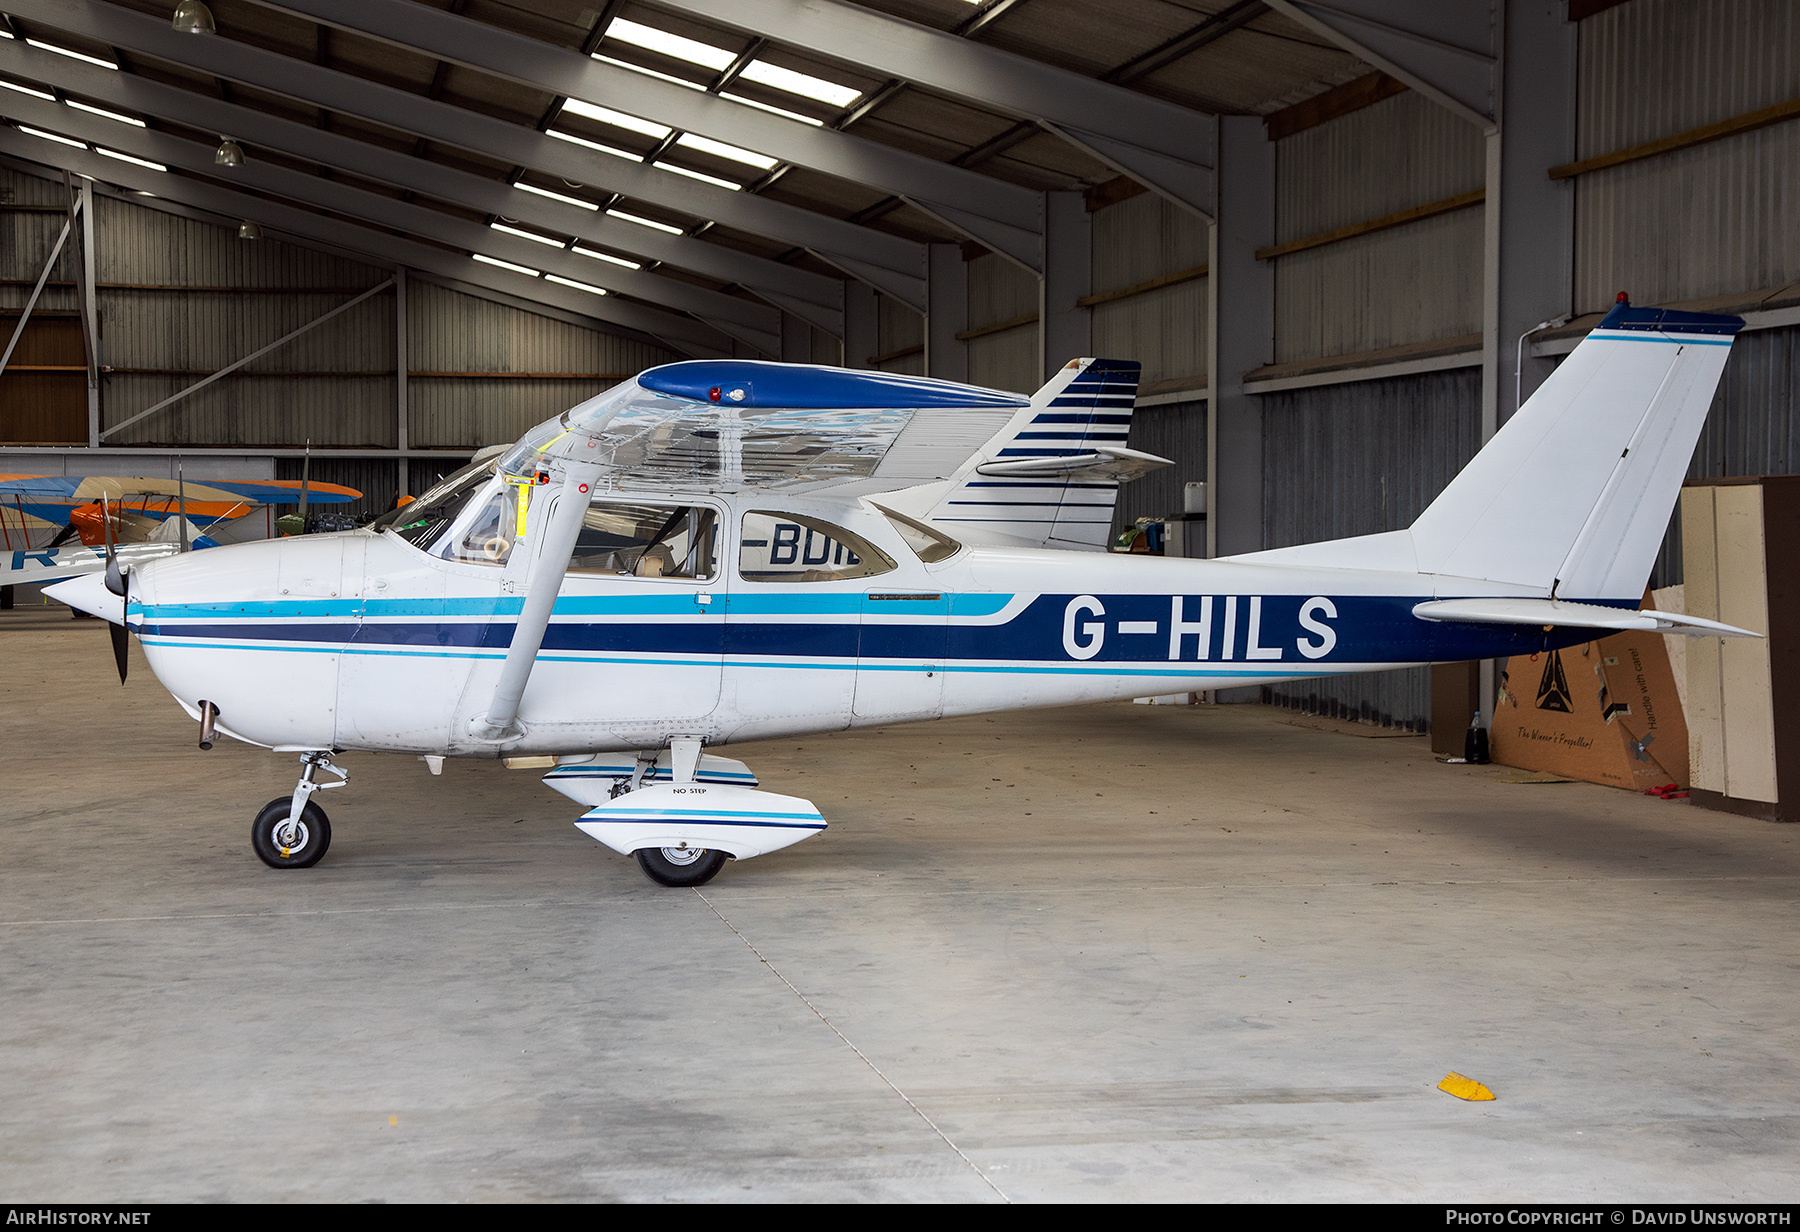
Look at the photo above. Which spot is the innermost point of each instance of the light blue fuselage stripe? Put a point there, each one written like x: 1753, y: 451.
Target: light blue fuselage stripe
x: 1609, y: 336
x: 1195, y: 668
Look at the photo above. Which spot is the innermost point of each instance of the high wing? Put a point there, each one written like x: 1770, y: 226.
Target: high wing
x: 730, y: 425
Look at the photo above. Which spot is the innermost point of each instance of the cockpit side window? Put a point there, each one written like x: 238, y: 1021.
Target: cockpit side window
x: 487, y: 537
x: 790, y: 547
x: 641, y: 540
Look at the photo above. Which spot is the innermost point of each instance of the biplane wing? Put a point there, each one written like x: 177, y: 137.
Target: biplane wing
x: 40, y: 513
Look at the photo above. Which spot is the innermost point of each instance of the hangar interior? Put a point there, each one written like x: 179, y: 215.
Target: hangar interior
x: 1345, y: 240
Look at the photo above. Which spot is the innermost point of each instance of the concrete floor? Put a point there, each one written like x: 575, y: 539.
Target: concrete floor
x: 1104, y: 953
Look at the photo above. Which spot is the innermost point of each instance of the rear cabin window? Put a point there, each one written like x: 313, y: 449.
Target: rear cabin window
x: 788, y: 547
x: 927, y: 544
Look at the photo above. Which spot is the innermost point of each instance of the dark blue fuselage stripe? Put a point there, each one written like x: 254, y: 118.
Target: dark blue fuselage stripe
x: 1367, y: 629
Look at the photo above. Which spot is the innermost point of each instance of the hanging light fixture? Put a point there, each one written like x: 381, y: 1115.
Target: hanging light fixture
x: 193, y: 17
x: 229, y: 153
x: 248, y: 230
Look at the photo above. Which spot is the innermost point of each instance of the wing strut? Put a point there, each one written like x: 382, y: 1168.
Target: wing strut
x: 554, y: 545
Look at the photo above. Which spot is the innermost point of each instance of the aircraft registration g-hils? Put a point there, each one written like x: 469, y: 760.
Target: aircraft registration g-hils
x: 727, y: 550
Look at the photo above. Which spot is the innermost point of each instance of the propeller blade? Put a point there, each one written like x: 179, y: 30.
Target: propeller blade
x: 119, y: 582
x: 115, y: 577
x: 121, y: 643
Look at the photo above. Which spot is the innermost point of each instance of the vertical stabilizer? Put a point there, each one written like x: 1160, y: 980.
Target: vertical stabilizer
x: 1084, y: 407
x: 1574, y: 494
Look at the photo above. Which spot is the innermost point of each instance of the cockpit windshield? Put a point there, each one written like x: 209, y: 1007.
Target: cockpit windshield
x: 421, y: 522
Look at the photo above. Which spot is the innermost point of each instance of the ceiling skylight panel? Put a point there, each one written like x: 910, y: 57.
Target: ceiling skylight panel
x: 73, y: 55
x: 38, y: 132
x: 650, y: 72
x: 111, y: 115
x: 533, y: 236
x: 127, y: 158
x: 579, y: 286
x: 672, y: 45
x: 622, y: 216
x: 694, y: 141
x: 508, y: 265
x: 556, y: 196
x: 780, y: 111
x: 618, y: 119
x: 7, y: 85
x: 701, y: 176
x: 803, y: 84
x: 614, y: 150
x: 608, y: 257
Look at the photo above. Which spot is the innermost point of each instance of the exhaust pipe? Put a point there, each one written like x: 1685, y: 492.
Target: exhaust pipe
x: 209, y: 715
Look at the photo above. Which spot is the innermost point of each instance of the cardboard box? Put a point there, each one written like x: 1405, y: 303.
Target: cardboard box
x: 1604, y: 712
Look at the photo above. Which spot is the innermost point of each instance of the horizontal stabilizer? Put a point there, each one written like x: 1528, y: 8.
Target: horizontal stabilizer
x: 1556, y: 612
x: 1113, y: 462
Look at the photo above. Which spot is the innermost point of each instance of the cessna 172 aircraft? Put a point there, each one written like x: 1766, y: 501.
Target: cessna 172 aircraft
x: 727, y: 550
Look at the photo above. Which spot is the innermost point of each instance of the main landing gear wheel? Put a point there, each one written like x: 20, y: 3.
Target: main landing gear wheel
x: 280, y: 844
x: 680, y: 866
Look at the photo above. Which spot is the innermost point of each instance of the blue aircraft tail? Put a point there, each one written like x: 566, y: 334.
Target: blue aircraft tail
x: 1050, y: 478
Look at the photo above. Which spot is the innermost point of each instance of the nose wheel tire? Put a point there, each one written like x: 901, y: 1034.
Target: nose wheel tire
x: 281, y: 845
x: 680, y: 866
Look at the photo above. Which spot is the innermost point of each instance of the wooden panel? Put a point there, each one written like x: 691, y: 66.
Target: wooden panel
x: 1781, y: 531
x: 1705, y: 701
x: 43, y: 392
x: 1455, y: 696
x: 1749, y: 709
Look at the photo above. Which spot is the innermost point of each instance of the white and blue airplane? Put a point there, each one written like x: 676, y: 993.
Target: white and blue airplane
x: 730, y: 550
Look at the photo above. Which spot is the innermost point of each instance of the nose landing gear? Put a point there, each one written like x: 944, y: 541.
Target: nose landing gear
x: 292, y: 831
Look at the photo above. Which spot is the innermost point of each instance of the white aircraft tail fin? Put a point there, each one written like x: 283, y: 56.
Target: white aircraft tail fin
x: 1050, y: 478
x: 1573, y: 495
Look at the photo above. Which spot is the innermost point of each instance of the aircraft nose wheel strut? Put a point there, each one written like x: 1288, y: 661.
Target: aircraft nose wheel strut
x: 292, y: 831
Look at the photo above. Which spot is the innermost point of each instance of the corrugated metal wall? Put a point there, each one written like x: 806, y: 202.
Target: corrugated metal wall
x: 189, y: 297
x: 184, y: 334
x: 1358, y: 459
x: 1713, y: 219
x: 1135, y: 241
x: 452, y: 332
x: 899, y: 328
x: 1001, y: 291
x: 26, y: 237
x: 1177, y: 432
x: 1753, y: 427
x: 1408, y: 284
